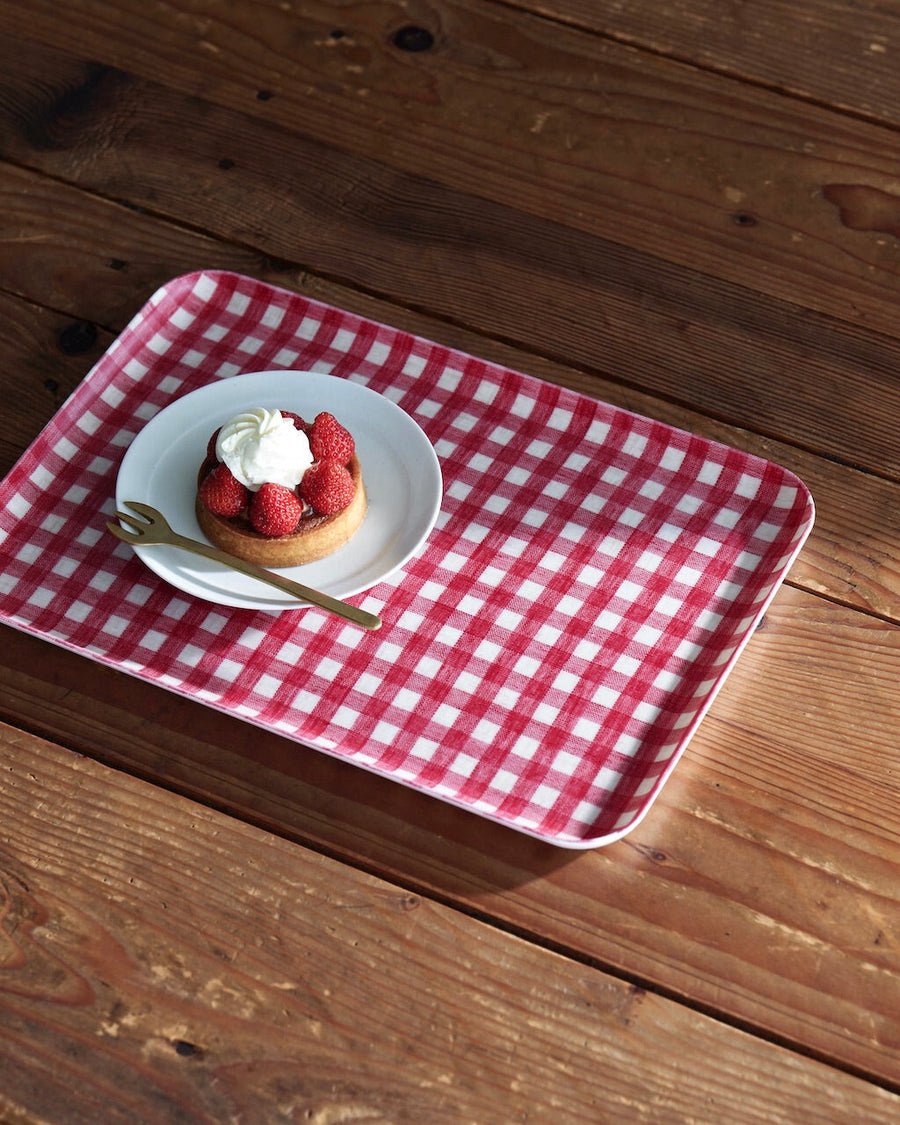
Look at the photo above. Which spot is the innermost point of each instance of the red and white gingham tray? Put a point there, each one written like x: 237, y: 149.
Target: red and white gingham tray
x: 544, y: 660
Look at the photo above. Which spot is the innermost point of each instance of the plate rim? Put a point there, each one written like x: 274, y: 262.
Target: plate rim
x: 433, y: 487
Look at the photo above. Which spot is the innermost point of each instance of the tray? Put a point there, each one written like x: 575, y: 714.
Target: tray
x: 592, y: 577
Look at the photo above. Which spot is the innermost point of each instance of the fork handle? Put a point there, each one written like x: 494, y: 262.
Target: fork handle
x: 297, y: 589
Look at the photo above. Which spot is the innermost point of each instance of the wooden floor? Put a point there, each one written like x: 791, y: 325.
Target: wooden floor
x: 691, y: 210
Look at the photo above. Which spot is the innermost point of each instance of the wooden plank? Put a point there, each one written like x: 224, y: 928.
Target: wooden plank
x: 79, y: 254
x: 195, y: 968
x: 775, y: 839
x: 840, y: 53
x: 45, y: 354
x: 737, y: 182
x: 726, y: 351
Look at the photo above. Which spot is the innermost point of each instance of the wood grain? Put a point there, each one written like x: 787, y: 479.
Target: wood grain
x: 717, y: 176
x: 196, y: 969
x: 777, y: 826
x: 47, y: 353
x: 619, y: 312
x: 772, y: 43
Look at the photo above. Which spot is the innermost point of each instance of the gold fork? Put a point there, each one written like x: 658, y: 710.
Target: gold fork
x: 152, y: 528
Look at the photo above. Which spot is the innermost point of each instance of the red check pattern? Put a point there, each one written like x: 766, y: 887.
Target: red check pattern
x: 591, y: 580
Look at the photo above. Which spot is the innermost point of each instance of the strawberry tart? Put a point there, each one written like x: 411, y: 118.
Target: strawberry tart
x: 279, y: 491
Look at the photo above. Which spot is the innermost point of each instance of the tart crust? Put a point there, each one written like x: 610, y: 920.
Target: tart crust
x: 316, y: 537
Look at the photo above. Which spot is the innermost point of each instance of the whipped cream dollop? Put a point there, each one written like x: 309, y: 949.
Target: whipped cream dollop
x: 262, y: 445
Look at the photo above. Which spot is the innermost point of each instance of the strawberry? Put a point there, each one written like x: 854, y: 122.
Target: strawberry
x: 329, y: 441
x: 295, y: 418
x: 211, y: 446
x: 328, y: 487
x: 275, y: 510
x: 222, y: 493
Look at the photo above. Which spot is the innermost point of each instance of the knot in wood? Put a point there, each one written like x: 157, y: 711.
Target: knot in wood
x: 185, y: 1049
x: 413, y: 38
x: 79, y: 337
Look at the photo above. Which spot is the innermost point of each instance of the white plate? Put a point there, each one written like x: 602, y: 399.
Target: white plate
x: 400, y: 469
